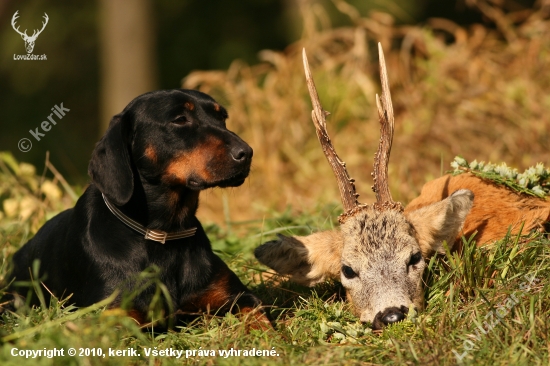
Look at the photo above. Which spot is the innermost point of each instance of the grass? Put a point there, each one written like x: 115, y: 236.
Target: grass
x: 316, y: 324
x: 488, y: 306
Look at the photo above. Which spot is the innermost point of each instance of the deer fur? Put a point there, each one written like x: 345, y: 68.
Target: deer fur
x: 307, y: 260
x: 496, y: 209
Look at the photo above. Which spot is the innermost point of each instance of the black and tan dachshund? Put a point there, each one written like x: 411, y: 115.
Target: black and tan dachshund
x: 139, y: 210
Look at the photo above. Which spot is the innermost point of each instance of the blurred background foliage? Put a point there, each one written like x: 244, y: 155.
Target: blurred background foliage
x: 467, y: 76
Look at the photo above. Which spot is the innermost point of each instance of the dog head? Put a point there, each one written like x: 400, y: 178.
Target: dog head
x: 176, y: 138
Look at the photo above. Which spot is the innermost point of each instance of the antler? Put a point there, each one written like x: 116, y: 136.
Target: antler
x: 345, y: 183
x: 43, y: 25
x: 35, y: 33
x: 13, y: 19
x: 382, y: 156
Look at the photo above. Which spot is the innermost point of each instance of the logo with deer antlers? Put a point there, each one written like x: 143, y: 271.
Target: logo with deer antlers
x: 29, y: 40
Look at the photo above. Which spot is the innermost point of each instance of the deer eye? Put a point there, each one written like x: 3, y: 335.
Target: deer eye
x: 180, y: 120
x: 348, y: 272
x: 415, y: 258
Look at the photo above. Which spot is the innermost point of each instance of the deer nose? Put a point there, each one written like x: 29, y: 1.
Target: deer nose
x: 389, y: 316
x: 393, y: 317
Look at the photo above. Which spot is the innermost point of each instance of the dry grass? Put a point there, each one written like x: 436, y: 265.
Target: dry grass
x: 480, y: 92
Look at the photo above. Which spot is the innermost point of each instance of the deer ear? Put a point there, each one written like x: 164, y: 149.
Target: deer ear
x: 308, y: 260
x: 110, y: 167
x: 440, y: 221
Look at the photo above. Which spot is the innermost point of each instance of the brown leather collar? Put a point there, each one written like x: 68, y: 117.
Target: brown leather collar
x: 156, y: 235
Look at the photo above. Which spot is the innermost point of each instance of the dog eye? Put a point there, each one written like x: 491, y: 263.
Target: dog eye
x: 180, y: 120
x: 415, y: 259
x: 348, y: 272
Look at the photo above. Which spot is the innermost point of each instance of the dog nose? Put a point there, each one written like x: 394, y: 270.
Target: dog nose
x: 241, y: 153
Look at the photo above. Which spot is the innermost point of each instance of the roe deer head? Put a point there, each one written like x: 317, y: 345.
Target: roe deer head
x: 379, y: 253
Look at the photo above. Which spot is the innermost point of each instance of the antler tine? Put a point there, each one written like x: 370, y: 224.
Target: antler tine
x: 45, y: 22
x: 382, y: 157
x: 46, y: 18
x: 318, y: 115
x: 13, y: 21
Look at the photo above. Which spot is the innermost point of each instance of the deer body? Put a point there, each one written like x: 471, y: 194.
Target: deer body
x: 496, y: 209
x: 379, y: 253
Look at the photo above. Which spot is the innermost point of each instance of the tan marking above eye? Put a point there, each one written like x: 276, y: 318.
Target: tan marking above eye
x: 217, y: 107
x: 189, y: 106
x: 151, y: 153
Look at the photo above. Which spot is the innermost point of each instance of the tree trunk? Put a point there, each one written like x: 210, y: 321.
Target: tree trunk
x: 128, y: 54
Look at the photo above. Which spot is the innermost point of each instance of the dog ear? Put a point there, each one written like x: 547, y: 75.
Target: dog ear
x: 110, y: 167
